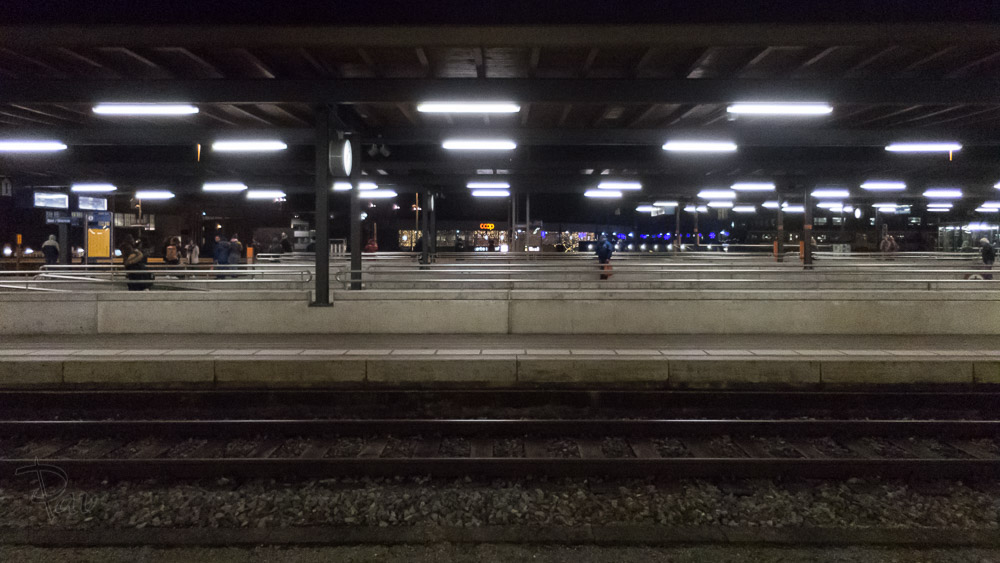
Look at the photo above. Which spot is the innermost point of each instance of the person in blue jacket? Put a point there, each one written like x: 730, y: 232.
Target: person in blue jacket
x: 604, y: 251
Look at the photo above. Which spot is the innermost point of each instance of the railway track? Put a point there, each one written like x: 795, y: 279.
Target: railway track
x: 136, y: 449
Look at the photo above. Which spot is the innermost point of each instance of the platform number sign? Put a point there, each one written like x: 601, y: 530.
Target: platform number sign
x: 6, y: 187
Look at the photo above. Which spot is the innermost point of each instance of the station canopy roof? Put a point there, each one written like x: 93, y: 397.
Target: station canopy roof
x: 596, y: 101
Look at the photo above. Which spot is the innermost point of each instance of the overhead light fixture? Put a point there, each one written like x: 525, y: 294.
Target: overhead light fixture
x: 997, y: 185
x: 488, y: 185
x: 265, y: 194
x: 145, y: 109
x: 771, y: 204
x: 605, y: 194
x: 468, y: 107
x: 154, y: 194
x: 779, y: 108
x: 379, y: 194
x: 93, y: 188
x: 879, y: 186
x: 991, y: 204
x: 938, y: 207
x: 744, y: 209
x: 490, y: 193
x: 645, y: 208
x: 621, y: 186
x: 981, y: 209
x: 664, y: 203
x: 830, y: 204
x: 700, y: 146
x: 943, y: 193
x: 479, y: 145
x: 830, y: 192
x: 753, y: 186
x: 793, y: 208
x: 717, y: 194
x: 224, y: 187
x: 924, y: 147
x: 696, y: 209
x: 31, y: 146
x: 721, y: 204
x: 248, y: 146
x: 346, y: 186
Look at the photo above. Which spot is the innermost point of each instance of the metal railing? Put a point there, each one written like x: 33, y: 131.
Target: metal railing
x: 69, y: 278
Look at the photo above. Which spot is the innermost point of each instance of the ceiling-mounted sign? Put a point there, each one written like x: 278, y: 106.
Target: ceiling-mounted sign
x: 6, y: 187
x: 93, y: 204
x: 487, y: 226
x: 51, y: 200
x: 341, y: 158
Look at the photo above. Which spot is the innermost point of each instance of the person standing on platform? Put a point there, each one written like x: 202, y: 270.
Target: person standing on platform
x: 193, y: 253
x: 989, y: 256
x: 311, y: 247
x: 604, y: 251
x: 220, y: 254
x: 50, y: 249
x: 286, y: 245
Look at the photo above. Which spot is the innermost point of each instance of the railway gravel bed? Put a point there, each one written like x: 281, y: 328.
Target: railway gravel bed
x: 479, y: 553
x: 471, y: 503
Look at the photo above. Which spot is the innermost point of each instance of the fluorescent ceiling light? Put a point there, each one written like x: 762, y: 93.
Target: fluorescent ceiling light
x: 992, y: 204
x: 31, y: 146
x: 154, y: 194
x: 145, y: 109
x: 224, y: 187
x: 490, y: 193
x: 777, y: 108
x: 837, y: 205
x: 665, y: 203
x: 468, y: 107
x: 938, y: 206
x: 793, y: 208
x: 248, y: 146
x: 997, y: 185
x: 379, y: 194
x: 700, y: 146
x: 721, y: 204
x: 265, y: 194
x: 753, y: 186
x: 717, y: 194
x: 986, y: 210
x: 831, y: 192
x: 488, y: 185
x: 771, y: 204
x: 606, y: 194
x: 93, y: 188
x: 346, y: 186
x: 744, y: 209
x: 924, y: 147
x: 645, y: 208
x: 943, y: 193
x: 877, y: 186
x: 622, y: 186
x: 479, y: 145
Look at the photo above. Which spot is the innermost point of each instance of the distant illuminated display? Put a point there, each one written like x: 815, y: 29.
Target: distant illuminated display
x: 51, y: 200
x: 93, y: 203
x: 487, y: 226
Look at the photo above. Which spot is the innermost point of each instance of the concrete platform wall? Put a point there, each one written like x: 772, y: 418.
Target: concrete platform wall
x: 892, y: 311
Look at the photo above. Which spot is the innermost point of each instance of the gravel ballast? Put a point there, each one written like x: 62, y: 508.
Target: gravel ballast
x: 478, y: 553
x: 525, y: 502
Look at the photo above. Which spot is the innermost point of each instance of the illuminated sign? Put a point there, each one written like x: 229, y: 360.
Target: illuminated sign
x: 51, y: 200
x: 487, y: 226
x: 93, y: 203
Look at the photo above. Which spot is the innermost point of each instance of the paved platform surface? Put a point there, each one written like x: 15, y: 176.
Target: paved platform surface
x: 688, y: 361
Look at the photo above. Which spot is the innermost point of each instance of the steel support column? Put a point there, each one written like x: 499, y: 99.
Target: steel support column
x: 356, y: 216
x: 424, y: 231
x: 432, y: 226
x: 322, y: 187
x: 807, y: 226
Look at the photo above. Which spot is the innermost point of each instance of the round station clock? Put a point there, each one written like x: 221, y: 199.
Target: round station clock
x: 341, y: 158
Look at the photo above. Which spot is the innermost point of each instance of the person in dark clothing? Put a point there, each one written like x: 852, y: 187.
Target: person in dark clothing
x: 50, y: 249
x: 604, y: 251
x: 286, y: 245
x: 135, y: 266
x: 311, y: 247
x: 220, y: 255
x: 989, y: 256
